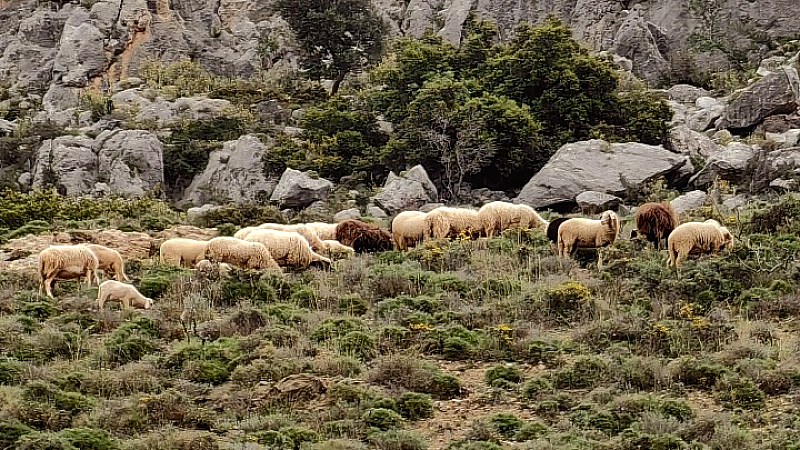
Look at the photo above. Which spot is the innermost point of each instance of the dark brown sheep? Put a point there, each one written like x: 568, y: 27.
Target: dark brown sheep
x: 552, y: 228
x: 655, y: 221
x: 362, y: 236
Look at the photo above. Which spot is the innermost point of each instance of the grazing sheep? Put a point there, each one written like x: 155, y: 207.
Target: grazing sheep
x: 66, y: 262
x: 697, y: 237
x: 241, y: 234
x: 552, y: 228
x: 324, y: 231
x: 333, y: 248
x: 126, y: 294
x: 656, y: 221
x: 446, y: 222
x: 182, y: 251
x: 207, y: 268
x: 289, y: 248
x: 587, y: 233
x: 495, y: 217
x: 408, y: 229
x: 363, y: 236
x: 313, y: 240
x: 241, y: 253
x: 110, y: 261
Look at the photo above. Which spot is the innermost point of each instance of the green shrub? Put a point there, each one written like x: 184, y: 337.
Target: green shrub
x: 207, y: 363
x: 474, y: 445
x: 382, y: 419
x: 44, y: 441
x: 273, y: 439
x: 358, y: 344
x: 247, y: 286
x: 10, y: 432
x: 444, y: 386
x: 155, y: 281
x: 244, y: 214
x: 535, y: 388
x: 227, y: 229
x: 510, y: 374
x: 353, y: 304
x: 739, y: 392
x: 334, y: 327
x: 131, y: 341
x: 415, y: 406
x: 584, y: 372
x: 531, y: 430
x: 569, y: 301
x: 397, y: 440
x: 40, y: 311
x: 506, y: 424
x: 10, y: 372
x: 89, y: 439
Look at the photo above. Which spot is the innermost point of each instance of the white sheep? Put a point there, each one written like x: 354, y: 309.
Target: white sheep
x: 408, y: 228
x: 697, y: 237
x: 66, y: 262
x: 324, y: 231
x: 182, y: 251
x: 240, y: 253
x: 499, y: 216
x: 126, y: 294
x: 241, y: 234
x: 288, y: 248
x: 110, y: 261
x: 313, y: 240
x: 332, y: 248
x: 207, y: 267
x: 587, y: 233
x: 445, y: 222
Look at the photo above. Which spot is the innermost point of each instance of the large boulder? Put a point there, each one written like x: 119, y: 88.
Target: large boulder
x: 708, y: 111
x: 730, y: 164
x: 233, y: 173
x: 600, y: 166
x: 298, y: 189
x: 689, y: 201
x: 686, y: 93
x: 682, y: 139
x: 409, y: 190
x: 776, y: 93
x: 68, y: 163
x: 130, y: 162
x: 638, y: 41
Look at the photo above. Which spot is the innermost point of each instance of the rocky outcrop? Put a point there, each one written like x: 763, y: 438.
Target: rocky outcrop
x: 599, y: 166
x: 233, y: 173
x: 409, y: 190
x: 593, y: 202
x: 68, y: 163
x: 636, y: 40
x: 300, y: 189
x: 689, y: 201
x: 730, y: 164
x: 683, y: 140
x: 776, y: 93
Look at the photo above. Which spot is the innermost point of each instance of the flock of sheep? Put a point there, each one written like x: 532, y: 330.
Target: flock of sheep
x: 273, y: 246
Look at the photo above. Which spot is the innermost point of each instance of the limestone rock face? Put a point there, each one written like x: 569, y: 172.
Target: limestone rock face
x: 68, y: 162
x: 599, y: 166
x: 410, y: 190
x: 233, y: 173
x: 299, y: 189
x: 689, y: 201
x: 730, y: 164
x: 776, y: 93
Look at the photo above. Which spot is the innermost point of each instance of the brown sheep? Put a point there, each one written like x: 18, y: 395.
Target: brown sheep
x: 363, y: 237
x: 110, y: 260
x: 656, y: 221
x: 66, y: 262
x: 697, y: 237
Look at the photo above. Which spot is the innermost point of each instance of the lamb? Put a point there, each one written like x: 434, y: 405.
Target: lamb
x: 408, y: 229
x: 363, y: 236
x: 110, y: 261
x: 126, y: 294
x: 332, y: 247
x: 446, y: 222
x: 241, y: 234
x: 309, y: 234
x: 697, y: 237
x: 656, y: 221
x: 498, y: 216
x: 289, y: 248
x: 587, y: 233
x: 241, y: 253
x: 182, y: 251
x: 207, y: 267
x: 66, y: 262
x: 552, y: 228
x: 324, y: 231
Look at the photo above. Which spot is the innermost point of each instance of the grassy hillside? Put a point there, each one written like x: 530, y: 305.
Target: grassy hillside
x: 464, y: 345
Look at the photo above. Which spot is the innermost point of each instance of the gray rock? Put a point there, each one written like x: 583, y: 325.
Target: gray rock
x: 162, y: 111
x: 781, y: 163
x: 688, y: 142
x: 130, y: 161
x: 776, y: 93
x: 722, y: 137
x: 352, y: 213
x: 786, y: 139
x: 81, y: 54
x: 730, y: 164
x: 428, y: 207
x: 411, y: 189
x: 593, y: 202
x: 233, y: 173
x: 298, y: 189
x: 783, y: 185
x: 195, y: 215
x: 129, y: 83
x: 735, y: 202
x: 689, y: 201
x: 597, y: 165
x: 709, y: 110
x: 686, y: 93
x: 7, y: 127
x: 771, y: 64
x: 635, y: 40
x: 67, y: 162
x: 374, y: 211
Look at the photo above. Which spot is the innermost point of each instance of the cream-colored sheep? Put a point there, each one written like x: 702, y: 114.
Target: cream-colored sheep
x: 697, y: 237
x: 240, y: 253
x: 241, y: 234
x: 587, y: 233
x: 289, y: 248
x: 66, y: 262
x: 408, y: 229
x: 183, y: 252
x: 499, y: 216
x: 110, y: 260
x: 207, y: 267
x: 324, y: 231
x: 313, y: 240
x: 333, y: 248
x: 126, y: 294
x: 446, y: 222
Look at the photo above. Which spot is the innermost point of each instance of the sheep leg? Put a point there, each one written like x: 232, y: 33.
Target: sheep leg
x: 48, y: 282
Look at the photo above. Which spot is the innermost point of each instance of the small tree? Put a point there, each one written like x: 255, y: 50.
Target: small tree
x: 336, y: 36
